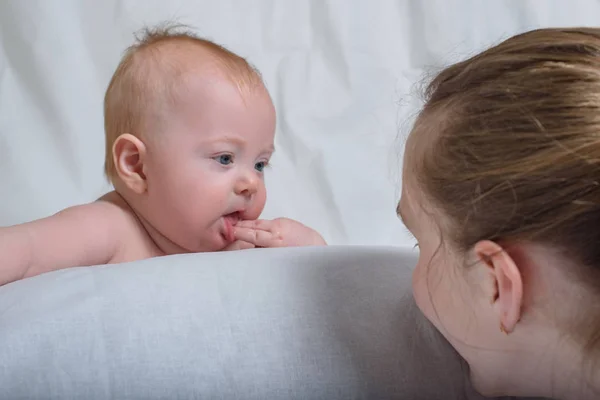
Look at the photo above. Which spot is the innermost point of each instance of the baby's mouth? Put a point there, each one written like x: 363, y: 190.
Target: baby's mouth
x: 229, y: 222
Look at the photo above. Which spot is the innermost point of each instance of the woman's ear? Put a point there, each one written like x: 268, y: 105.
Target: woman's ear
x: 506, y: 294
x: 129, y: 154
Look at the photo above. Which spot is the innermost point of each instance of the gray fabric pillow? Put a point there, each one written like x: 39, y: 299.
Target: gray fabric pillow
x: 296, y: 323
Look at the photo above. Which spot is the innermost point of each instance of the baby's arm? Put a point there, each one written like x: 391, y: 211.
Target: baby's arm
x: 77, y: 236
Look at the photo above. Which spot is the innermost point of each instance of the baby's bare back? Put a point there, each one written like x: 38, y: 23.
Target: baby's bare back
x: 105, y: 231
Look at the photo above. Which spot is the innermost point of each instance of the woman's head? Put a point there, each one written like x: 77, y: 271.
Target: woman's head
x: 502, y: 191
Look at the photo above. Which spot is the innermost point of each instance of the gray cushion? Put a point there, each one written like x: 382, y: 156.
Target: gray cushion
x: 295, y: 323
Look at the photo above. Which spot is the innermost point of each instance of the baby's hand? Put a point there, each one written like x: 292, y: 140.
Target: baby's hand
x: 238, y: 245
x: 280, y: 232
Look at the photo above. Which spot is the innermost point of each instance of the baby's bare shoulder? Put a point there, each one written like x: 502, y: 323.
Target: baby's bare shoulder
x: 101, y: 232
x: 116, y: 213
x: 107, y: 214
x: 104, y: 224
x: 114, y: 207
x: 134, y: 241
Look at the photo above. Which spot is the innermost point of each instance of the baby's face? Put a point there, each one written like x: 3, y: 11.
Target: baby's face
x: 205, y: 168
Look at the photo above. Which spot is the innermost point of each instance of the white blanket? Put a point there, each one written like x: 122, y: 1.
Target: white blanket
x: 296, y: 323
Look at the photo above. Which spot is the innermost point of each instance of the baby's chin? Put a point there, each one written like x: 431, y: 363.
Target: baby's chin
x: 217, y: 242
x: 218, y: 245
x: 215, y: 237
x: 212, y: 242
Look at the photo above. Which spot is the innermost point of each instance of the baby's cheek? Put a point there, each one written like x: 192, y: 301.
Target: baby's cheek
x: 258, y: 204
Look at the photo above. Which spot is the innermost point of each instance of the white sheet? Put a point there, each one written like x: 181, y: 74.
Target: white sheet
x: 334, y: 322
x: 341, y: 73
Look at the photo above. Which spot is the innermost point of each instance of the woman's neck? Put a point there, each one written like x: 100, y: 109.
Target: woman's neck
x: 556, y: 371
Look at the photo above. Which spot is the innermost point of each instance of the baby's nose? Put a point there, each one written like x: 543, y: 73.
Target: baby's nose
x: 246, y: 186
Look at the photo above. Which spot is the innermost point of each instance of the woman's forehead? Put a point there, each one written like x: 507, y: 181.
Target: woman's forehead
x: 413, y: 152
x: 419, y: 140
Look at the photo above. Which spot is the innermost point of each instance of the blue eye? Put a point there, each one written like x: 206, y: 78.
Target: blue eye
x: 224, y: 159
x: 260, y: 166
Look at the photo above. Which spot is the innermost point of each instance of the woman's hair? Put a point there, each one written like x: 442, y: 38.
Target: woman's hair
x: 515, y: 149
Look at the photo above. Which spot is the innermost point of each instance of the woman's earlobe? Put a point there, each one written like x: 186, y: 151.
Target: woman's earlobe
x: 506, y: 292
x: 129, y: 154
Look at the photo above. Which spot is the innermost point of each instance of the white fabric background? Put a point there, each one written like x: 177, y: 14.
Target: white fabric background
x: 342, y: 74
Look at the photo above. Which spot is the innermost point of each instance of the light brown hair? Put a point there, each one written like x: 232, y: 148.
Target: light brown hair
x: 146, y: 78
x: 515, y: 150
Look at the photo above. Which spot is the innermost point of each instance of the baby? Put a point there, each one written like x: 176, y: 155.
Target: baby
x: 189, y: 132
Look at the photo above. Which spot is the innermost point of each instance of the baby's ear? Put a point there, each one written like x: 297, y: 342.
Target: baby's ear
x: 129, y: 154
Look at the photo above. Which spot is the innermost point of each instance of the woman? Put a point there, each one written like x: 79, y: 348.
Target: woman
x: 502, y: 192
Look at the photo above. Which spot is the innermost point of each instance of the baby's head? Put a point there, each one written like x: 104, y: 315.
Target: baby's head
x: 189, y: 129
x: 502, y: 192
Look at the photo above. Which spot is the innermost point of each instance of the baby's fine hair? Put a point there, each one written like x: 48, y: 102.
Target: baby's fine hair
x: 514, y: 153
x: 147, y: 77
